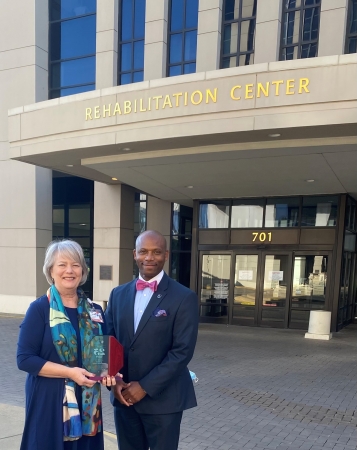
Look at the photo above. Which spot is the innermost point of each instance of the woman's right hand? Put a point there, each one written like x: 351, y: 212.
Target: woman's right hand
x: 79, y: 376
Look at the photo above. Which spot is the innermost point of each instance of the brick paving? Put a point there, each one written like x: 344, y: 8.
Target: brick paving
x: 258, y: 388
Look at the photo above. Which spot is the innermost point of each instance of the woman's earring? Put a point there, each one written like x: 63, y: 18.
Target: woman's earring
x: 53, y: 281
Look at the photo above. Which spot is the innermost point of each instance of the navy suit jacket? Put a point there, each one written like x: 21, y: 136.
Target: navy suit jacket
x: 158, y: 353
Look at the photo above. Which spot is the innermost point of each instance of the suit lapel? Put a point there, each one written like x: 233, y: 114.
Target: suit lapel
x: 128, y: 308
x: 156, y: 299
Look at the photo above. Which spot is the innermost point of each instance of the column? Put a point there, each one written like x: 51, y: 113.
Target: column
x: 107, y: 43
x: 25, y: 190
x: 267, y: 31
x: 209, y: 35
x: 156, y: 18
x: 332, y: 27
x: 113, y: 238
x: 159, y: 219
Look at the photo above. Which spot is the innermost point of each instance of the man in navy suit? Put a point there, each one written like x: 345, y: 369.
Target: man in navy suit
x: 156, y: 320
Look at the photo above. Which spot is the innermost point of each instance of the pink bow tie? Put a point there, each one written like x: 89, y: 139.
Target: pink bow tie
x: 141, y: 285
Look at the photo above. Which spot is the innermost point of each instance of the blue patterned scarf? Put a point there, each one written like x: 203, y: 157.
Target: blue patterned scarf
x: 65, y: 341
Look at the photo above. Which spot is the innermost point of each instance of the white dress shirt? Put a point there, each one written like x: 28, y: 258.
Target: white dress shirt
x: 142, y: 299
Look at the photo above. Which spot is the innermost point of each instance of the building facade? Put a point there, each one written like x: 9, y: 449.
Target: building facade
x: 227, y: 125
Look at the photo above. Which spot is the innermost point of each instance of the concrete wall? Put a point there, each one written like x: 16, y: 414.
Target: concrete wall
x: 25, y: 190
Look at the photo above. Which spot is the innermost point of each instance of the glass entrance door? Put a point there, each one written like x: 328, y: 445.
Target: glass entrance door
x: 215, y: 287
x: 275, y: 290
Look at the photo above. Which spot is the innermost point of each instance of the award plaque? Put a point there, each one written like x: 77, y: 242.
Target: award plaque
x: 104, y: 356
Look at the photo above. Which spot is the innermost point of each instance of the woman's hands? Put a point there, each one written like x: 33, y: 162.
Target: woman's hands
x: 110, y: 381
x: 79, y: 376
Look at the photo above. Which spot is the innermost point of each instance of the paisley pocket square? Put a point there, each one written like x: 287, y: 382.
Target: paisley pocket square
x: 160, y: 313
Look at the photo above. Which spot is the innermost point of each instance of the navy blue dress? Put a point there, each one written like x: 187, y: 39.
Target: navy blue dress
x: 44, y: 396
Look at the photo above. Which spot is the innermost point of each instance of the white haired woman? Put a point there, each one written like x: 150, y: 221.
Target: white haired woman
x: 63, y: 406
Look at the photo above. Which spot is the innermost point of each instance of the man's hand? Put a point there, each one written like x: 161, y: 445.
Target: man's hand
x: 117, y: 391
x: 133, y: 393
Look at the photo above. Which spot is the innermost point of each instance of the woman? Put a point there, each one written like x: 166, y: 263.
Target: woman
x: 63, y: 406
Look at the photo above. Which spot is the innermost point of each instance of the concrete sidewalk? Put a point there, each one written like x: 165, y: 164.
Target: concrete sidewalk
x: 12, y: 424
x: 258, y: 388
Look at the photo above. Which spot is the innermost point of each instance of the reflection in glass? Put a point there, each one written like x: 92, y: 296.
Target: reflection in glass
x: 214, y: 215
x: 247, y: 215
x: 131, y: 41
x: 182, y: 37
x: 281, y: 213
x: 215, y: 284
x: 275, y: 281
x: 245, y: 286
x: 319, y: 211
x: 351, y: 29
x: 309, y: 282
x: 72, y: 42
x: 239, y: 19
x: 300, y: 29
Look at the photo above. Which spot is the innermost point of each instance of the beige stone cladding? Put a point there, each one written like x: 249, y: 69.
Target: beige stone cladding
x: 25, y: 190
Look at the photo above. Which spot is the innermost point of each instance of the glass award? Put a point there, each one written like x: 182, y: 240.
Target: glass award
x: 103, y: 356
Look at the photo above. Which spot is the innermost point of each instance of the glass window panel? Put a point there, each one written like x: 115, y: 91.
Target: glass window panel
x: 291, y: 4
x: 175, y: 70
x: 352, y: 45
x: 180, y: 268
x: 290, y: 53
x: 177, y: 12
x: 189, y: 68
x: 68, y: 73
x: 71, y: 91
x: 230, y: 39
x: 190, y: 45
x: 247, y: 215
x: 191, y: 13
x: 58, y: 221
x: 319, y: 211
x: 73, y: 38
x: 126, y: 57
x: 127, y: 20
x: 176, y: 48
x: 214, y: 215
x: 311, y: 24
x: 125, y: 78
x: 291, y: 27
x: 139, y: 19
x: 215, y: 285
x: 308, y: 50
x: 312, y: 2
x: 61, y: 9
x: 249, y: 8
x: 245, y: 60
x: 309, y: 282
x: 282, y: 213
x: 247, y: 35
x: 229, y: 62
x: 275, y: 282
x: 138, y: 54
x: 352, y: 26
x: 231, y: 9
x: 245, y: 279
x: 138, y: 76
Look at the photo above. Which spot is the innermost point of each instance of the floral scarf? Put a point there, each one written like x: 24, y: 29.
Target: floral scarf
x: 65, y: 341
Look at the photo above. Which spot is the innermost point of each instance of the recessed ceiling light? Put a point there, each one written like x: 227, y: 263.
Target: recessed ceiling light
x: 69, y: 165
x: 126, y: 149
x: 309, y: 181
x: 189, y: 187
x: 274, y: 135
x: 82, y: 224
x: 115, y: 179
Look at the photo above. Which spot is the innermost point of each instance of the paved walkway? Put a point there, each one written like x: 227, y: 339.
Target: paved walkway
x: 259, y: 389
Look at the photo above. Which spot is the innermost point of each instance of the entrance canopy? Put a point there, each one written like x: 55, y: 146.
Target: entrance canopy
x: 267, y: 129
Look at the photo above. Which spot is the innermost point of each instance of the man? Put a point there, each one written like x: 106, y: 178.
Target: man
x: 156, y: 320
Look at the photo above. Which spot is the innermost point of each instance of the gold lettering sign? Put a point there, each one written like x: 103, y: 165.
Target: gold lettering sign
x: 262, y: 237
x: 198, y: 97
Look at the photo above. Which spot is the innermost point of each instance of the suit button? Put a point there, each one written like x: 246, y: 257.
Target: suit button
x: 132, y: 349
